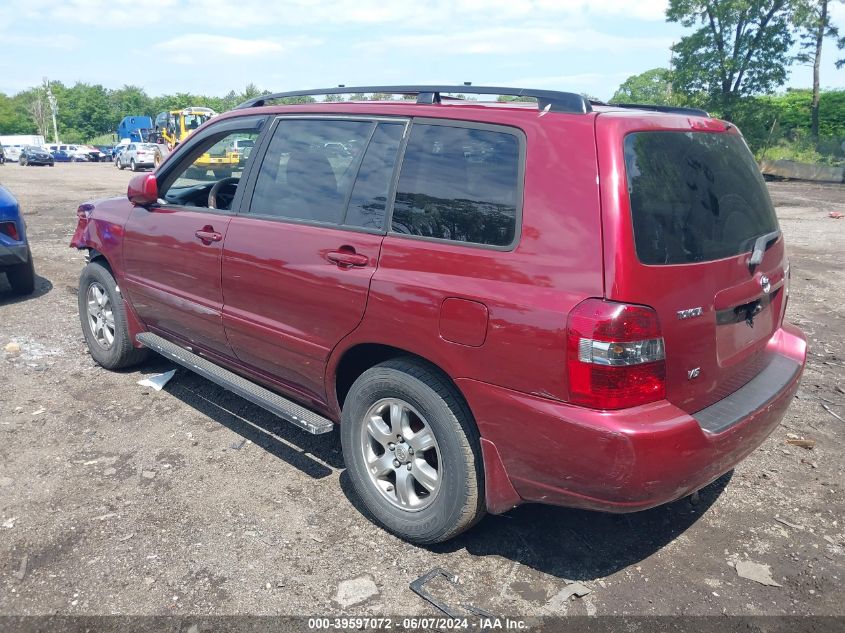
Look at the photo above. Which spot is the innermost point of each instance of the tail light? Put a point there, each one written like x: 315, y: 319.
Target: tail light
x: 10, y: 229
x: 615, y: 355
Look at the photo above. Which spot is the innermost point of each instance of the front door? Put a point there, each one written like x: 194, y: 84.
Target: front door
x: 172, y: 250
x: 297, y: 265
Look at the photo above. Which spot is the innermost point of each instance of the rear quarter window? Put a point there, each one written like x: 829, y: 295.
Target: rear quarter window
x: 695, y: 196
x: 459, y: 184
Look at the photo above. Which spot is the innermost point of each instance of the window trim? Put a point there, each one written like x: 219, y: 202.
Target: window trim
x: 520, y: 181
x: 257, y: 123
x: 249, y: 190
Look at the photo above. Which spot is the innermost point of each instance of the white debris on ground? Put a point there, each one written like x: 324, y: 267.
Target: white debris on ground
x: 355, y: 591
x: 757, y: 572
x: 157, y: 381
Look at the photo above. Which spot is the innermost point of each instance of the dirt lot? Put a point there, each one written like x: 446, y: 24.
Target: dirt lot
x: 116, y: 499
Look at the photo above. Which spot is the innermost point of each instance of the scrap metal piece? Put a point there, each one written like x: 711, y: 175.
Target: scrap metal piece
x: 418, y: 587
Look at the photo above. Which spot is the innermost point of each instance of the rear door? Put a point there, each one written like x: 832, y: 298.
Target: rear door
x: 297, y: 266
x: 172, y: 250
x: 690, y: 230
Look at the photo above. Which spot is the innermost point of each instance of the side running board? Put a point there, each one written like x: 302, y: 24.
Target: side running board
x: 273, y: 402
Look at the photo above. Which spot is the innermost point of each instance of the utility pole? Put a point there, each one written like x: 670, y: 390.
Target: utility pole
x: 51, y: 98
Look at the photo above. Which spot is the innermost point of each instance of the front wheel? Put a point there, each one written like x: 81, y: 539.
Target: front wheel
x: 132, y: 165
x: 103, y: 318
x: 412, y: 451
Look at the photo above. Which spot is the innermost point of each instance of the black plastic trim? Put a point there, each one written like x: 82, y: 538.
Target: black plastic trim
x: 755, y: 395
x: 552, y: 100
x: 661, y: 108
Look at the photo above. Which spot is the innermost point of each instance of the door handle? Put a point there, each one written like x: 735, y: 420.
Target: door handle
x: 347, y: 259
x: 207, y: 235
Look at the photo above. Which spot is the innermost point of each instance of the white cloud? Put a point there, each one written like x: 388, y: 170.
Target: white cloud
x: 206, y: 48
x: 61, y: 41
x: 509, y: 40
x: 257, y: 13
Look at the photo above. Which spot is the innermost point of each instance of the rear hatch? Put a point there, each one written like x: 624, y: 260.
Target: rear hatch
x: 693, y: 234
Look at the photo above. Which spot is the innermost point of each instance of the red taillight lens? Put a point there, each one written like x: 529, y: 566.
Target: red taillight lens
x: 615, y: 355
x: 10, y: 229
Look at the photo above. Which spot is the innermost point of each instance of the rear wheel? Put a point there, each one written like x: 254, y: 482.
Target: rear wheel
x: 22, y: 276
x: 103, y: 318
x: 412, y: 451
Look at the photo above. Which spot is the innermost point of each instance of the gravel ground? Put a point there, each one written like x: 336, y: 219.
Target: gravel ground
x: 117, y: 499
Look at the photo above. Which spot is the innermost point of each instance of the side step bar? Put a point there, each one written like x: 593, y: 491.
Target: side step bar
x: 273, y: 402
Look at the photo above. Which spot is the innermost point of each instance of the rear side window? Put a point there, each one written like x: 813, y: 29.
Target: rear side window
x: 459, y: 184
x: 695, y: 196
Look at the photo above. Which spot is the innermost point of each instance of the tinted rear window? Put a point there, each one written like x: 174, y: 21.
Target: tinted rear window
x: 695, y: 196
x: 459, y: 184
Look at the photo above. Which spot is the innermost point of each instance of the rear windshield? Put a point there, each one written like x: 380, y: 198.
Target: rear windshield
x: 695, y: 196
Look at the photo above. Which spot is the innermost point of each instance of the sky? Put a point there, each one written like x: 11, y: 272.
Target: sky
x: 214, y: 46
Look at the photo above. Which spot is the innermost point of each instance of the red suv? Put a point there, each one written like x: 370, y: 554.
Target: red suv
x: 559, y: 301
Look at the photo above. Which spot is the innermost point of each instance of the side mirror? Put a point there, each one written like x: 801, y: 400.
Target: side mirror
x: 143, y: 190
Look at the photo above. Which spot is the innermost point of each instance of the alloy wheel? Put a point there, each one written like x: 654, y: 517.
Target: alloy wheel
x: 100, y: 315
x: 401, y: 454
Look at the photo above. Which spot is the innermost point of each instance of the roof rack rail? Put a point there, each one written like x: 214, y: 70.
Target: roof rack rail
x: 546, y: 99
x: 662, y: 108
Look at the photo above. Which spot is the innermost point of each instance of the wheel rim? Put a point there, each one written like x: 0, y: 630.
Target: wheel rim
x: 401, y: 454
x: 100, y: 315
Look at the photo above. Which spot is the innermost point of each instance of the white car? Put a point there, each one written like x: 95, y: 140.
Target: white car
x: 13, y: 152
x: 137, y: 156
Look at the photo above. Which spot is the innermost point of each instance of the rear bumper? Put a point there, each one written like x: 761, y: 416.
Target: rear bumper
x: 628, y: 460
x: 13, y: 255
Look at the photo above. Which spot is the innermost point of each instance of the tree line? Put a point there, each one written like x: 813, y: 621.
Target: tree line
x: 737, y: 54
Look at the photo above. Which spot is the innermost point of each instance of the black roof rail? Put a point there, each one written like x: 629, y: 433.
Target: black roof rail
x: 662, y: 108
x: 546, y: 99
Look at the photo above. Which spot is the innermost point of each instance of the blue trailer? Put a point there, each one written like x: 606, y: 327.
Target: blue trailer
x: 135, y: 128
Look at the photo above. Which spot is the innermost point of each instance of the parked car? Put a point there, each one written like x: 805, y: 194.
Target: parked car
x: 78, y: 153
x: 2, y: 154
x: 137, y: 156
x: 61, y: 156
x: 583, y: 308
x: 106, y: 151
x: 13, y: 152
x: 31, y: 155
x: 118, y: 150
x: 15, y: 255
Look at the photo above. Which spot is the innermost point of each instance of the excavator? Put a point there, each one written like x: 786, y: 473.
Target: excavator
x: 175, y: 126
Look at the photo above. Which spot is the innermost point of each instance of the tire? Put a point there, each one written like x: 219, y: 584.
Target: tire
x: 120, y: 352
x: 132, y: 165
x: 454, y: 455
x: 23, y: 161
x: 120, y: 165
x: 22, y: 276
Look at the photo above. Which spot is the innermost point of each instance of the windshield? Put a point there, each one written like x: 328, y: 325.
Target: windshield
x: 193, y: 121
x: 695, y: 196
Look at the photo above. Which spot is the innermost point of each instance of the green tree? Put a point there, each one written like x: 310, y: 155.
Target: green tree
x: 333, y: 98
x: 739, y: 48
x: 812, y: 17
x: 14, y: 118
x: 653, y: 87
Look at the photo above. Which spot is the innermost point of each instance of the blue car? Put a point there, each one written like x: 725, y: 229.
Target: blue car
x: 15, y: 256
x: 61, y: 156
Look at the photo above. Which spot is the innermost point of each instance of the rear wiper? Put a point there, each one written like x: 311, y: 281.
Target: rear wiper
x: 760, y: 245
